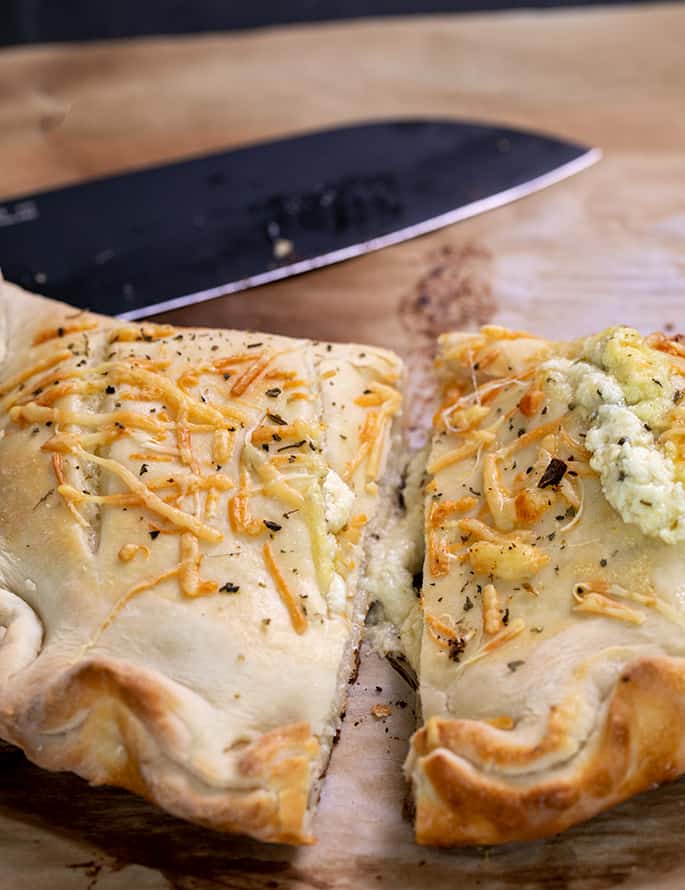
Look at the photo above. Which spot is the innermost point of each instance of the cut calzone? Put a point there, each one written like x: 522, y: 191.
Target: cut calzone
x: 552, y: 662
x: 183, y: 516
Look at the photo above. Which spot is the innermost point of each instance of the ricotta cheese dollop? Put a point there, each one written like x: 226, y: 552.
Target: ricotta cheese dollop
x: 338, y: 501
x: 337, y: 594
x: 625, y: 389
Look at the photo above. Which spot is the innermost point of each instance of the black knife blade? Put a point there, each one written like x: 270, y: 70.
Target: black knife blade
x: 159, y: 238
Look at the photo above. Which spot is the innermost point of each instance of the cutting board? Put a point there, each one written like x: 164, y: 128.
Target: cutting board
x: 603, y: 247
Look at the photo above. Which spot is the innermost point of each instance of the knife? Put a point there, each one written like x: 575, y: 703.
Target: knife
x: 159, y: 238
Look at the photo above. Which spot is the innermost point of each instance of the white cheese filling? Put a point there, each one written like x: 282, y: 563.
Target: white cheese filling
x: 637, y: 477
x: 389, y: 580
x: 337, y: 595
x: 338, y: 501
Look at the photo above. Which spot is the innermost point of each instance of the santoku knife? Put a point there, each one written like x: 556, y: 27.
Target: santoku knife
x: 156, y: 239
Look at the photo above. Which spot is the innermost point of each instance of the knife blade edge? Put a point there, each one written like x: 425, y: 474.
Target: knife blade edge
x: 466, y: 211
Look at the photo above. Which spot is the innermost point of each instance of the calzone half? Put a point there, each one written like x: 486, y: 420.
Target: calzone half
x: 552, y: 657
x: 183, y: 518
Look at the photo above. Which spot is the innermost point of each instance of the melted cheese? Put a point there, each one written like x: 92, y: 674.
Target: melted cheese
x: 599, y: 604
x: 146, y: 331
x: 251, y: 373
x: 123, y: 601
x: 129, y: 551
x: 290, y: 600
x: 83, y: 323
x: 192, y: 406
x: 189, y: 569
x: 242, y: 521
x: 492, y: 617
x: 16, y: 380
x: 477, y: 439
x: 151, y: 501
x: 512, y: 561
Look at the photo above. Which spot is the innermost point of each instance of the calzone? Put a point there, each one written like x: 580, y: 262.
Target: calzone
x: 552, y: 651
x: 183, y: 524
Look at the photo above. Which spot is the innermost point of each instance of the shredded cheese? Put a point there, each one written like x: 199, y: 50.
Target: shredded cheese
x: 149, y: 499
x: 74, y: 496
x: 352, y: 530
x: 531, y: 504
x: 476, y: 440
x: 441, y: 633
x: 189, y: 569
x: 599, y: 604
x: 353, y: 464
x: 85, y: 323
x: 438, y: 556
x: 123, y: 601
x: 502, y: 638
x: 666, y: 344
x: 492, y: 617
x: 165, y: 433
x: 58, y: 470
x: 512, y: 562
x: 189, y: 483
x: 34, y: 413
x: 440, y: 510
x: 273, y: 432
x: 146, y: 331
x: 129, y: 551
x: 531, y: 436
x: 482, y: 532
x: 501, y: 504
x: 251, y: 373
x: 221, y: 446
x: 531, y: 402
x: 167, y: 390
x: 22, y: 376
x: 290, y: 601
x: 437, y: 546
x: 275, y: 485
x: 53, y: 386
x: 385, y: 403
x: 184, y: 441
x: 239, y: 509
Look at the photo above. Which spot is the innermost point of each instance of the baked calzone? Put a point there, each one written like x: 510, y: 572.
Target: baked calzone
x: 183, y: 516
x: 552, y: 656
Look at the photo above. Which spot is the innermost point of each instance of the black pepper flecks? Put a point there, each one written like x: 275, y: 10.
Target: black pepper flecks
x: 294, y: 445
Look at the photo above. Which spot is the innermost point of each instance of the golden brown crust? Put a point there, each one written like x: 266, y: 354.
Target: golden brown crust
x: 179, y: 555
x: 118, y: 725
x: 552, y: 669
x: 637, y: 743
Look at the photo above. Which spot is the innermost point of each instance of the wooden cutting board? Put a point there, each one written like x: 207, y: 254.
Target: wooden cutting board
x: 603, y: 247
